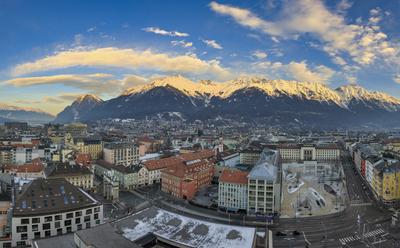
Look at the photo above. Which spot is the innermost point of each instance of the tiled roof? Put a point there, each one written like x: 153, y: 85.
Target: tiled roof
x: 34, y: 167
x: 233, y: 176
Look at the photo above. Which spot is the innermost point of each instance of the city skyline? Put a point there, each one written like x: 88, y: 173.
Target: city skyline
x: 53, y: 53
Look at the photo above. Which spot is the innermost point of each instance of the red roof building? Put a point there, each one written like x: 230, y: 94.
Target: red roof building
x: 184, y: 179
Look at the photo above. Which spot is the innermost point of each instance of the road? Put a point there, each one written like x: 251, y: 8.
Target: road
x: 361, y: 223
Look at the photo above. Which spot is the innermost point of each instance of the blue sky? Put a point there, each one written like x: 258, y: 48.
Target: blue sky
x: 53, y: 51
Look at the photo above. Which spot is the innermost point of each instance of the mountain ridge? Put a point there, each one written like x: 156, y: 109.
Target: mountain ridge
x: 250, y: 97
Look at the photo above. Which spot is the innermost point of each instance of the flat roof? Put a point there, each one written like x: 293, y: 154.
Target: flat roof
x: 61, y: 241
x: 104, y: 236
x: 182, y: 230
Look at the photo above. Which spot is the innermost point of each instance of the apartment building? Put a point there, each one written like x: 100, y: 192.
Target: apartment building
x: 121, y: 153
x: 264, y: 184
x: 91, y: 145
x: 50, y: 207
x: 386, y: 182
x: 232, y: 190
x: 79, y: 176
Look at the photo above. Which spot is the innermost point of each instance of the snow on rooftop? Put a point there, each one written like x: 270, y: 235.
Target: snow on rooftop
x: 150, y: 156
x: 187, y: 231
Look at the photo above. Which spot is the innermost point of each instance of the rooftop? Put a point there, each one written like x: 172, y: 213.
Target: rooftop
x: 50, y: 196
x: 233, y: 176
x: 267, y: 166
x: 183, y: 230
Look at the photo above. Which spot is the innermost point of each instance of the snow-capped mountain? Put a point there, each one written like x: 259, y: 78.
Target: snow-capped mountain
x: 252, y: 97
x: 30, y: 115
x: 80, y: 107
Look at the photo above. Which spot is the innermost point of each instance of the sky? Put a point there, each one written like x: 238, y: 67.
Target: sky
x: 53, y: 51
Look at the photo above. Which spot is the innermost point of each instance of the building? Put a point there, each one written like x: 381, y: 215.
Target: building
x: 32, y: 170
x: 76, y: 129
x: 264, y: 184
x: 127, y: 176
x: 183, y: 179
x: 79, y: 176
x: 50, y: 207
x: 249, y: 156
x: 121, y: 153
x: 232, y: 190
x: 309, y: 152
x: 91, y: 145
x: 386, y: 182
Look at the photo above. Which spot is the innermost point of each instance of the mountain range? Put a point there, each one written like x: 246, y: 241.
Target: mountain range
x: 10, y: 113
x: 247, y: 98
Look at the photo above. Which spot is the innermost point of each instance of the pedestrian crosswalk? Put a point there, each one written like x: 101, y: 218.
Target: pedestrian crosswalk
x: 356, y: 237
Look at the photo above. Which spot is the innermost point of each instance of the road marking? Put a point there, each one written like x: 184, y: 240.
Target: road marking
x: 361, y: 204
x: 370, y: 234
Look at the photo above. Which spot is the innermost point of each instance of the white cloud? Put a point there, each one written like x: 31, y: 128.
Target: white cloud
x: 259, y: 54
x: 299, y: 71
x: 212, y: 43
x: 313, y: 17
x: 112, y: 57
x: 160, y: 31
x: 96, y: 83
x: 182, y: 43
x: 396, y: 78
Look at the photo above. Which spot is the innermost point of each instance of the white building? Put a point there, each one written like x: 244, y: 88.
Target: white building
x: 264, y: 184
x: 50, y: 207
x: 121, y: 153
x: 232, y: 190
x: 304, y: 152
x: 25, y: 155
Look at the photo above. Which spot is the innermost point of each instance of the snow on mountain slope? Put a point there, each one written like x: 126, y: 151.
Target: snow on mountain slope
x: 207, y: 88
x: 7, y: 107
x: 350, y: 93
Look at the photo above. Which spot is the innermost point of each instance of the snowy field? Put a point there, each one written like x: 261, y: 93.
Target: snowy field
x: 184, y: 230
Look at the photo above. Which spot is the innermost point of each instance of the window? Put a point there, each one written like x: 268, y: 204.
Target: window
x: 70, y: 215
x: 35, y: 220
x: 7, y: 245
x: 56, y: 224
x: 78, y: 214
x: 46, y: 226
x: 37, y: 235
x: 96, y: 216
x: 24, y: 236
x: 87, y: 218
x: 67, y: 223
x: 48, y: 218
x: 69, y: 229
x: 77, y: 220
x: 35, y: 228
x: 59, y: 231
x: 88, y: 211
x: 97, y: 209
x: 47, y: 233
x: 88, y: 225
x: 21, y: 229
x: 24, y: 221
x: 57, y: 217
x: 21, y: 243
x: 79, y: 227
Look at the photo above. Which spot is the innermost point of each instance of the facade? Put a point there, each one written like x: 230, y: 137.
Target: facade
x: 79, y: 176
x: 232, y: 190
x: 264, y: 184
x: 249, y: 156
x: 50, y: 207
x: 386, y: 182
x: 121, y: 153
x: 309, y: 152
x: 90, y: 145
x: 182, y: 180
x: 127, y: 176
